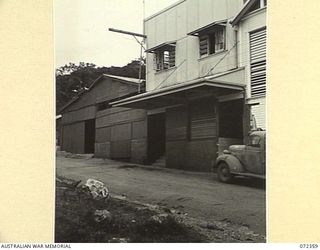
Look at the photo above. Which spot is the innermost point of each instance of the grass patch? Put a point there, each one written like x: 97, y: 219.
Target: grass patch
x: 130, y: 222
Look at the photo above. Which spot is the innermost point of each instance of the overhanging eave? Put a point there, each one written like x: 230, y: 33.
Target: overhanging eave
x: 179, y: 94
x: 162, y: 46
x: 208, y: 27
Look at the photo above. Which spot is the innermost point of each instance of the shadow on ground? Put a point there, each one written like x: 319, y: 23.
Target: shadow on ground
x: 248, y: 182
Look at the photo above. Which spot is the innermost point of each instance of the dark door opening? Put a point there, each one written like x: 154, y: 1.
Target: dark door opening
x: 89, y: 136
x: 230, y: 119
x: 156, y: 136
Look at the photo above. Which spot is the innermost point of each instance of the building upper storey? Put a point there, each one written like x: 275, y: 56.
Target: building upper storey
x: 250, y: 23
x: 189, y: 40
x: 197, y: 48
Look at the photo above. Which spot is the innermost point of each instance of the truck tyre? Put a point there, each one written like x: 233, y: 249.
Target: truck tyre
x: 224, y: 174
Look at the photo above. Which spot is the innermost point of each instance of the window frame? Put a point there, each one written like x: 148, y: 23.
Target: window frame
x: 260, y: 4
x: 211, y: 41
x: 252, y: 138
x: 162, y: 58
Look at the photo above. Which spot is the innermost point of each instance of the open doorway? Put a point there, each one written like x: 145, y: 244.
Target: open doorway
x: 230, y: 123
x: 89, y: 136
x: 156, y: 136
x: 230, y: 119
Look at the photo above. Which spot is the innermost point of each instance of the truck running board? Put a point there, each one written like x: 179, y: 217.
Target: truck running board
x: 249, y: 175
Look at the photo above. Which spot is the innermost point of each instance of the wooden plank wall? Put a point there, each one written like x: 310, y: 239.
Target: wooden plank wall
x: 177, y: 124
x: 82, y: 114
x: 73, y: 138
x: 183, y: 150
x: 121, y: 134
x: 259, y: 111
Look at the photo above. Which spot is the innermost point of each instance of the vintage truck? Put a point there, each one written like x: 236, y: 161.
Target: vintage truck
x: 243, y: 160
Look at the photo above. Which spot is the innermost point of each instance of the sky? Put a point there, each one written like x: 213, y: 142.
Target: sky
x: 81, y: 30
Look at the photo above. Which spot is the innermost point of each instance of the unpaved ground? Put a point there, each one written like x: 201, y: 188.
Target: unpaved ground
x: 126, y: 222
x: 228, y: 209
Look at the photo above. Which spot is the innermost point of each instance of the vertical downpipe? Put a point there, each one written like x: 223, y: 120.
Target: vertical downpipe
x: 217, y: 114
x: 236, y: 48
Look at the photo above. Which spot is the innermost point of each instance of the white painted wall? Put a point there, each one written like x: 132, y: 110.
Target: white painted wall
x: 249, y: 23
x: 173, y: 25
x: 253, y: 21
x: 259, y: 112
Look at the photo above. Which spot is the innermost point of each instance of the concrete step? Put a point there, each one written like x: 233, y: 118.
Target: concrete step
x: 161, y: 162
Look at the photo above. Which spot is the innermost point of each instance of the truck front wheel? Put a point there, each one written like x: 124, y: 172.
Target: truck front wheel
x: 224, y: 174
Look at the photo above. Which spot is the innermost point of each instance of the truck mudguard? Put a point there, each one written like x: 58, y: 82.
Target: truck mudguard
x: 233, y: 163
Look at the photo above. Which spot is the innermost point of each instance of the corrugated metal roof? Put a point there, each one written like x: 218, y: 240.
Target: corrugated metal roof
x: 127, y: 79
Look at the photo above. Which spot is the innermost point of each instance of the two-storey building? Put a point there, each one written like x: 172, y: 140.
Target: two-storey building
x: 250, y: 23
x: 196, y: 82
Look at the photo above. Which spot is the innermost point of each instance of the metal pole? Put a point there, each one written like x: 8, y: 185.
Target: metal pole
x: 141, y: 47
x: 140, y: 70
x: 127, y: 32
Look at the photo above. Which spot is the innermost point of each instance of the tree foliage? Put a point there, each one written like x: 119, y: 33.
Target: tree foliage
x: 71, y: 79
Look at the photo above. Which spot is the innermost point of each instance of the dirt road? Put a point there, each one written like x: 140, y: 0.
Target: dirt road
x: 200, y: 195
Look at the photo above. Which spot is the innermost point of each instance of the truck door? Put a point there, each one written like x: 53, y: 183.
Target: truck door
x: 252, y: 156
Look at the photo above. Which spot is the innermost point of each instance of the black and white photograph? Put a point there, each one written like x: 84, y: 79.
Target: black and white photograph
x: 160, y: 121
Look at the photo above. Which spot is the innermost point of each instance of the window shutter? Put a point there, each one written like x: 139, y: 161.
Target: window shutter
x: 155, y: 63
x: 258, y: 63
x: 203, y: 45
x: 258, y: 79
x: 172, y: 58
x: 158, y: 60
x: 202, y: 121
x: 258, y: 46
x: 176, y: 124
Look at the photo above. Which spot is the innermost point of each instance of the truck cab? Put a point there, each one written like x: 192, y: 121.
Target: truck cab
x: 244, y: 160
